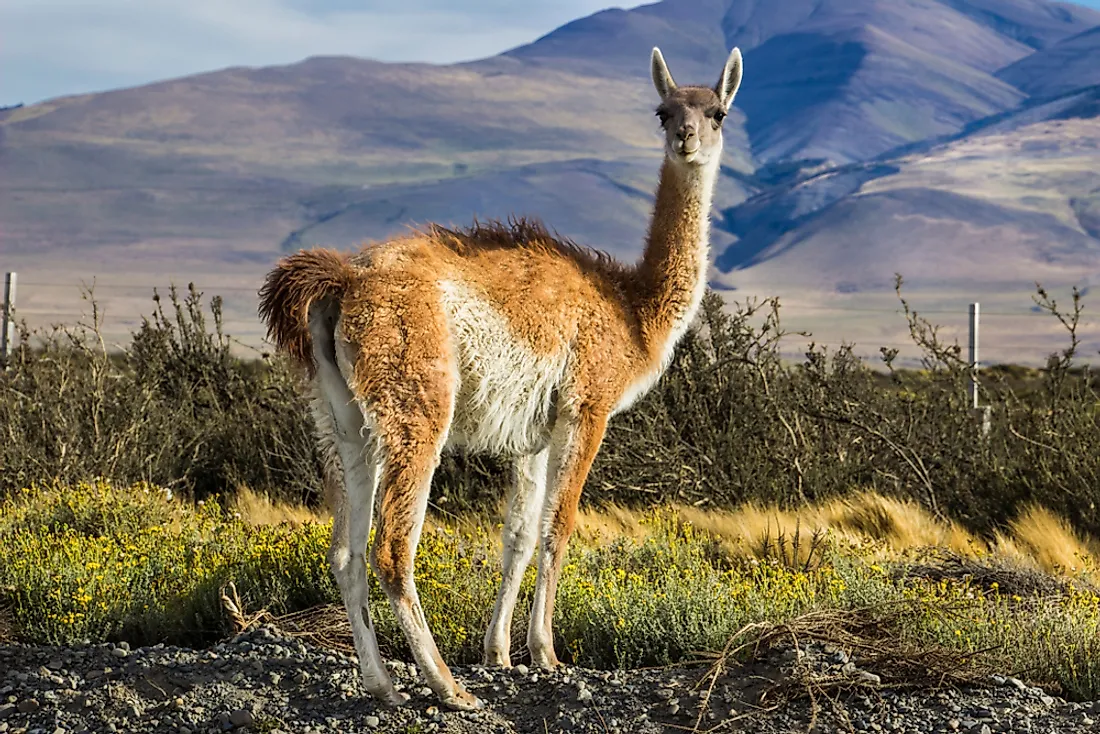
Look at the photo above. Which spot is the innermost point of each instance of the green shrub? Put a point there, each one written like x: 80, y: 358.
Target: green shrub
x: 730, y: 422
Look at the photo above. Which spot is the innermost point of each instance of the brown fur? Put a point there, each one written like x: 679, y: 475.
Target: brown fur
x: 295, y: 283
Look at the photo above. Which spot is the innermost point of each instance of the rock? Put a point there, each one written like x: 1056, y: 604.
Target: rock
x: 372, y: 721
x: 118, y: 652
x: 29, y: 706
x: 521, y: 669
x: 301, y: 677
x: 584, y: 695
x: 664, y: 694
x: 871, y: 678
x: 6, y: 710
x: 241, y: 718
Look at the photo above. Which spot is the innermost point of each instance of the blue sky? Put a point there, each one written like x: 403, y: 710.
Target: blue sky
x: 54, y: 47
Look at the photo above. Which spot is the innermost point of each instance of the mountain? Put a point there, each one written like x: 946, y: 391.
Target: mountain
x: 948, y: 139
x: 1070, y: 64
x: 840, y: 80
x: 1002, y: 204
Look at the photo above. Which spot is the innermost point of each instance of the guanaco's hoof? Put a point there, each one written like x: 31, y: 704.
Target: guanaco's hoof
x: 463, y: 701
x: 395, y: 699
x: 498, y: 659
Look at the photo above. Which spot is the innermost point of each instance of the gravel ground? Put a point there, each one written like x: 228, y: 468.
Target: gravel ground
x: 266, y: 682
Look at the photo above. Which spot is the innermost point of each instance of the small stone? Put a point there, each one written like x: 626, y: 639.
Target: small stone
x: 432, y: 711
x: 1047, y: 700
x: 6, y: 710
x: 584, y: 695
x: 664, y: 694
x: 55, y: 664
x: 424, y: 691
x: 848, y: 668
x: 28, y: 706
x: 372, y: 721
x: 1018, y: 684
x: 118, y: 652
x: 869, y: 678
x: 674, y: 709
x: 241, y: 718
x: 301, y: 677
x: 124, y: 646
x: 521, y: 669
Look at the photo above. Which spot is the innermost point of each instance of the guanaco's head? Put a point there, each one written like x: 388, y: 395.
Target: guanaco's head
x: 692, y: 116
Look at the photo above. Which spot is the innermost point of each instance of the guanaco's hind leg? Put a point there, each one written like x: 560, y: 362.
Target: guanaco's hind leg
x: 351, y: 480
x: 573, y: 447
x: 406, y: 377
x: 521, y: 526
x: 411, y: 456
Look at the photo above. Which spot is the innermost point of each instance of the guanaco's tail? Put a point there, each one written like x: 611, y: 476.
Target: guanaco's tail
x: 299, y: 280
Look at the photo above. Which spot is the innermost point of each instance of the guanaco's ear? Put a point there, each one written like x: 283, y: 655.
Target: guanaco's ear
x: 662, y: 80
x: 730, y: 81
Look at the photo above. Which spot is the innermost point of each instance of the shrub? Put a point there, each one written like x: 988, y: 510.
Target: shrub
x: 176, y: 409
x: 730, y: 422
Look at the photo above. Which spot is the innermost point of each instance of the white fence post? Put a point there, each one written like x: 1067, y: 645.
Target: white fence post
x: 975, y: 314
x: 7, y: 328
x: 975, y: 322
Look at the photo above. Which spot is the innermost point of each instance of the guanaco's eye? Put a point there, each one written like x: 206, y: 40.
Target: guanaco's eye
x: 719, y: 116
x: 663, y: 116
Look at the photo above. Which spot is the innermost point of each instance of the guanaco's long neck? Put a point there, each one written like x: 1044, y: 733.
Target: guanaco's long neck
x: 673, y: 271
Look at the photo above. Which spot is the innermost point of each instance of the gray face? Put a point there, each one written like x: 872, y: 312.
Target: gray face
x: 692, y: 120
x: 692, y: 116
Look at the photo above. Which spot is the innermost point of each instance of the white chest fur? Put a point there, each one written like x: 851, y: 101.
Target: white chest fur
x: 505, y: 395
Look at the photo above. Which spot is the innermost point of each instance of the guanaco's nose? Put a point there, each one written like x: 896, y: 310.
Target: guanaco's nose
x: 686, y: 132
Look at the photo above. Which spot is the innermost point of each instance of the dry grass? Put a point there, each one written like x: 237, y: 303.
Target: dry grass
x: 258, y: 509
x: 876, y: 527
x: 1043, y: 540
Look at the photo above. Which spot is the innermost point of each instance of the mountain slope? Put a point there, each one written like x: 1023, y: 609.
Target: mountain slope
x: 242, y: 155
x: 989, y: 209
x: 837, y: 79
x: 1067, y: 65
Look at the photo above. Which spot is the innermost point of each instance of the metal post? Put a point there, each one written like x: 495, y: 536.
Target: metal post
x: 975, y: 312
x: 975, y: 318
x: 7, y: 328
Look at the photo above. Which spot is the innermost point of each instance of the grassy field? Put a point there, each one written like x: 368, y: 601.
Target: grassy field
x: 99, y: 561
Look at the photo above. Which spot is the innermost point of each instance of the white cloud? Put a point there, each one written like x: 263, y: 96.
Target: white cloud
x: 54, y: 47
